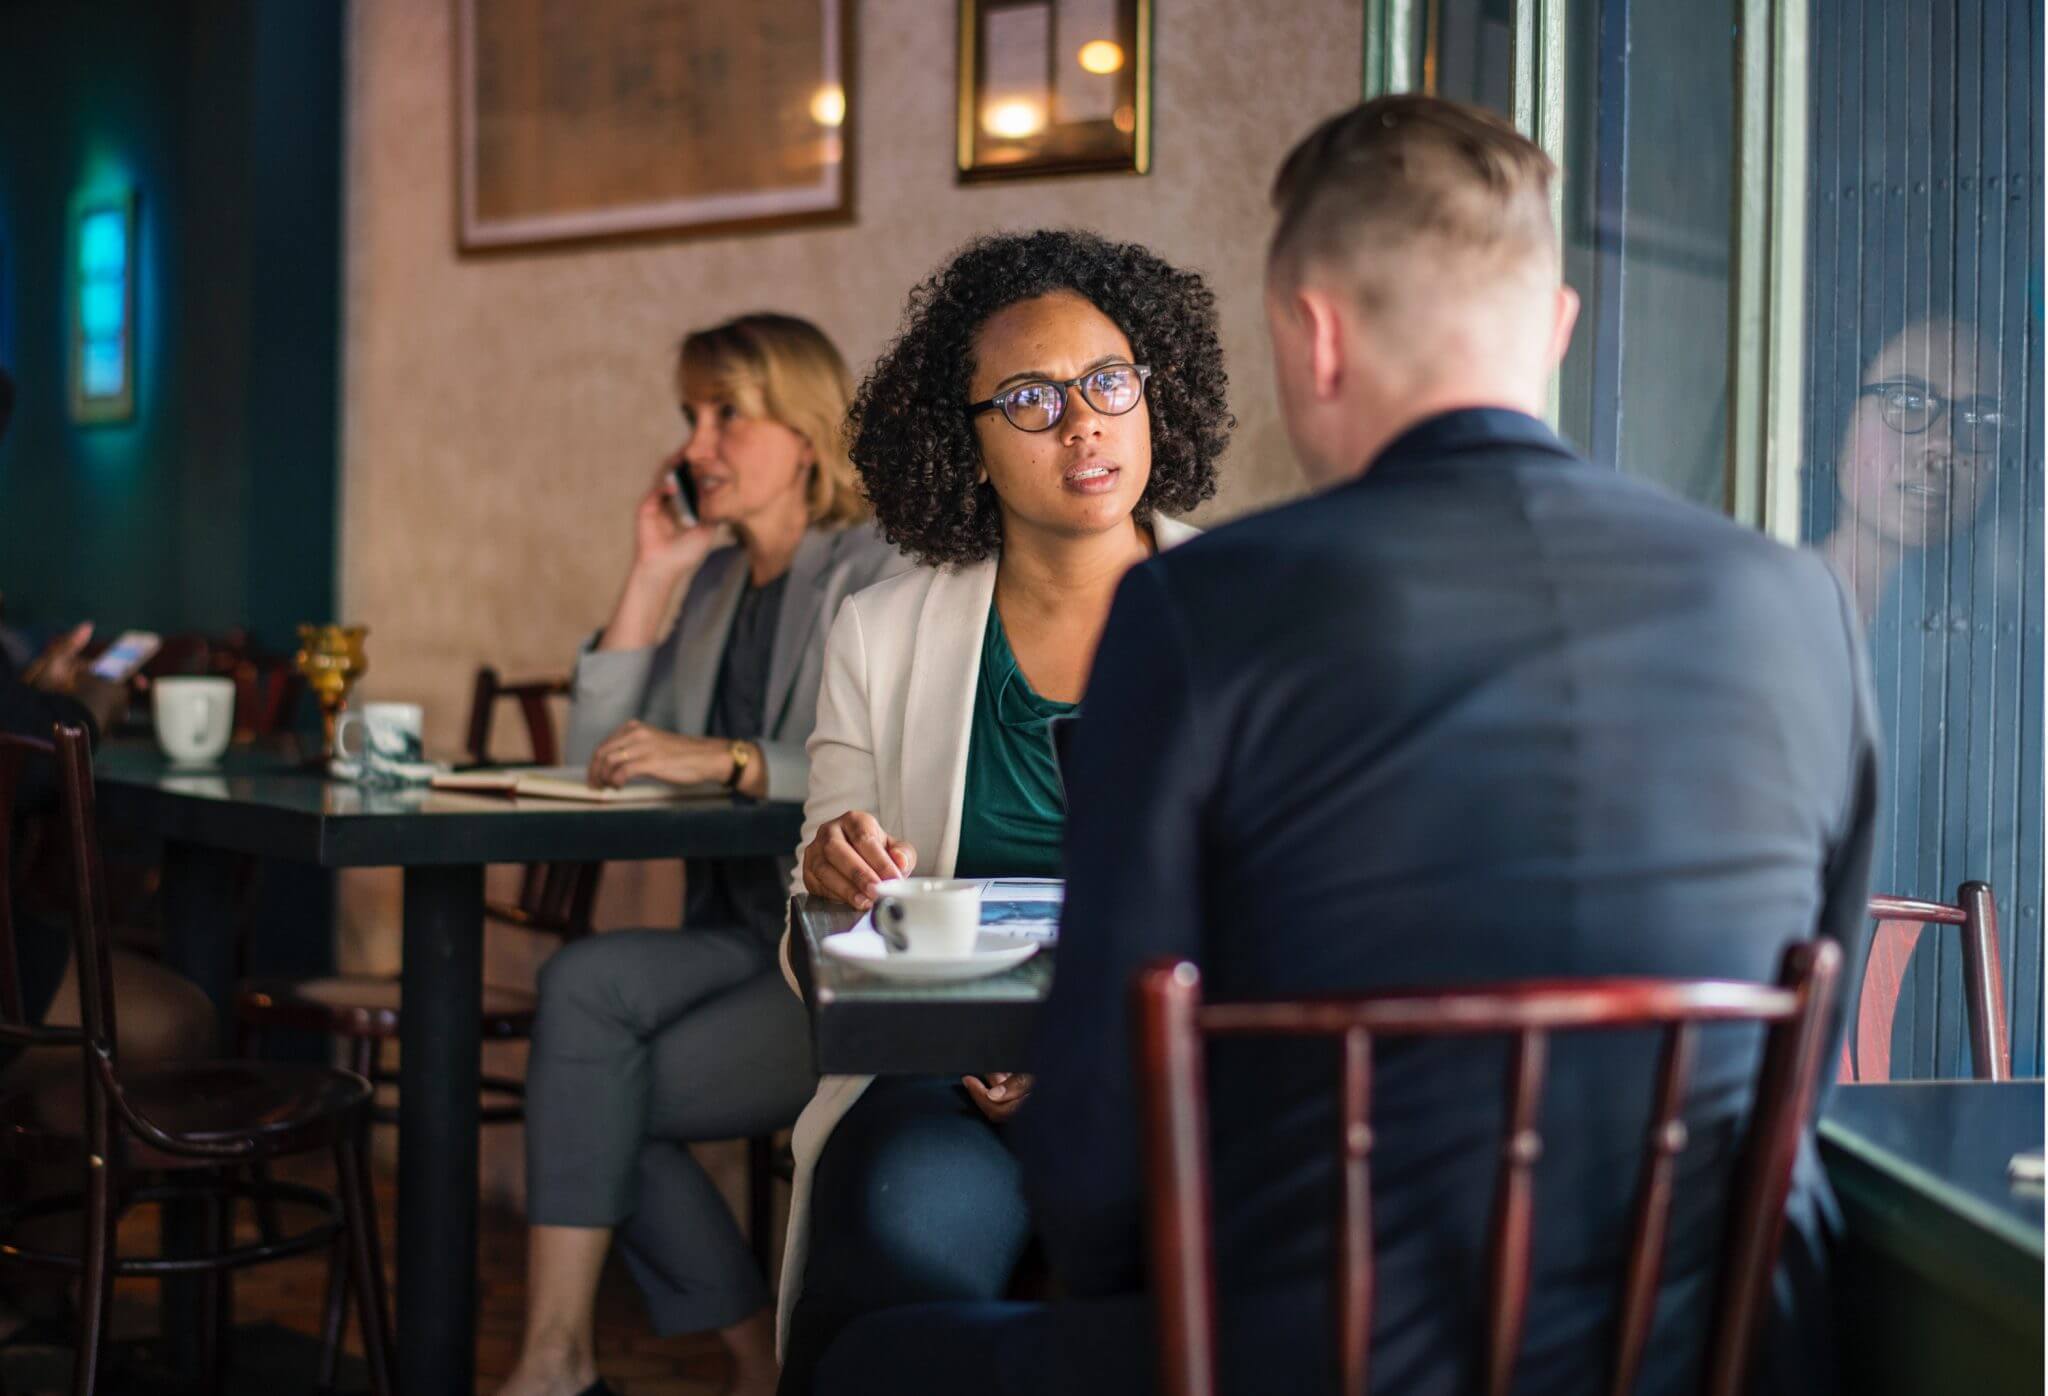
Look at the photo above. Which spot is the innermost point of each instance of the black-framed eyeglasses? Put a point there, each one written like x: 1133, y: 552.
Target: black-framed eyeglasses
x: 1038, y: 405
x: 1909, y: 409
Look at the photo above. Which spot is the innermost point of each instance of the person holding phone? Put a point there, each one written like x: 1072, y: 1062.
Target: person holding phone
x: 646, y: 1040
x: 1054, y: 400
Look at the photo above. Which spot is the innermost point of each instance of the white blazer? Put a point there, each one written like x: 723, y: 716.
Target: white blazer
x: 895, y: 712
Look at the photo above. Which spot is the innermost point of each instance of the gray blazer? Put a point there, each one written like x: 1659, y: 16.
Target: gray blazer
x: 670, y: 685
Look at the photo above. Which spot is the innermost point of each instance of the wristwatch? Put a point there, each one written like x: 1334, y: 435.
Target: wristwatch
x: 742, y: 754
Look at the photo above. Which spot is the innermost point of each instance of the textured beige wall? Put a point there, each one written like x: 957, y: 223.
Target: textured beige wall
x: 502, y: 413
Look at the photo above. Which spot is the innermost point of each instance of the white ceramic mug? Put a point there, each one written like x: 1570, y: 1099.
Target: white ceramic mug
x: 391, y: 737
x: 195, y: 718
x: 929, y: 915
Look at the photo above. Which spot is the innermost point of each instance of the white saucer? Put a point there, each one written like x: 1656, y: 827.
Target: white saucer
x: 864, y: 949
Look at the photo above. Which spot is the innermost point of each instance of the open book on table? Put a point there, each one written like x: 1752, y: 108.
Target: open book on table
x: 569, y: 783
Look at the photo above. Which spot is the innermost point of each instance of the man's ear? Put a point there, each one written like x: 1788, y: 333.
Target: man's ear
x: 1563, y: 317
x: 1322, y: 319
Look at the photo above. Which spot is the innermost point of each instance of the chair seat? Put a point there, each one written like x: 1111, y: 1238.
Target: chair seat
x: 364, y: 1006
x: 281, y: 1108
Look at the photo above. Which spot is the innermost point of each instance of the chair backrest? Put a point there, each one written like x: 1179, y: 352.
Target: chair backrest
x: 69, y: 751
x: 268, y: 687
x: 532, y: 698
x: 107, y: 1107
x: 178, y: 655
x: 1867, y: 1047
x: 558, y: 898
x: 1172, y: 1024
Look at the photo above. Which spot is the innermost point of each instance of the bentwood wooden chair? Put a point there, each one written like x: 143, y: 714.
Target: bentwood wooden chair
x: 189, y: 1133
x: 1901, y: 921
x: 1173, y: 1023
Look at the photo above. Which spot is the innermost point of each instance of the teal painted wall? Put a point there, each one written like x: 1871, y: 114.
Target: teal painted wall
x: 215, y: 505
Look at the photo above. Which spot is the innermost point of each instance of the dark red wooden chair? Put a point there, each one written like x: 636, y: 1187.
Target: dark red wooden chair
x: 554, y: 898
x: 191, y: 1132
x: 1901, y: 921
x: 1172, y: 1023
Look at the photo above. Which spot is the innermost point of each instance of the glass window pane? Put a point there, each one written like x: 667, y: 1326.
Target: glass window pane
x: 1468, y: 52
x: 1925, y: 271
x: 1648, y: 218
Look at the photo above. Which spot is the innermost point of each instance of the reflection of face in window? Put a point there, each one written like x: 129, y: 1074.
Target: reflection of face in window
x: 1922, y: 441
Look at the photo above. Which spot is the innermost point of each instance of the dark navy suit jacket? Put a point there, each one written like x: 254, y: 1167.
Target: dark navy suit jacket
x: 1486, y: 712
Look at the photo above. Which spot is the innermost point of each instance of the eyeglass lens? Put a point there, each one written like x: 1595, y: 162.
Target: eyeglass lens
x: 1037, y: 406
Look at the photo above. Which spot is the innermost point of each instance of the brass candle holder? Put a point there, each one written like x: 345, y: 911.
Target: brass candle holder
x: 331, y: 659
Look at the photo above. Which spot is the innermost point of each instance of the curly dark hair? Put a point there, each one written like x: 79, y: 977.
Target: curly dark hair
x: 908, y: 430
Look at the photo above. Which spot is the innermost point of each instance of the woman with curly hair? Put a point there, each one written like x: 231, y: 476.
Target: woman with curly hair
x: 1054, y: 398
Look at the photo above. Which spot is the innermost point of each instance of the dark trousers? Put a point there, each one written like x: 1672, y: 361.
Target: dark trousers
x: 916, y: 1198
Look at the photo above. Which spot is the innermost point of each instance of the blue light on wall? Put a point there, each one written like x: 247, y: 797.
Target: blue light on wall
x: 102, y: 307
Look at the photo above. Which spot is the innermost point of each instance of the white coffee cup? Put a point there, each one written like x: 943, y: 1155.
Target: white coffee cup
x: 929, y: 915
x: 391, y: 736
x: 195, y: 718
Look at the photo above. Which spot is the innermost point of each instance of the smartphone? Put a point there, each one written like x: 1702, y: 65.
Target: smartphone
x: 685, y: 497
x: 126, y: 655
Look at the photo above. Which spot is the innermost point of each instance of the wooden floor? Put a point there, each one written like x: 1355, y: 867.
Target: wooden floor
x: 278, y: 1309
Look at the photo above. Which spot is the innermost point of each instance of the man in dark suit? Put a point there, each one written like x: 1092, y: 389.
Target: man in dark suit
x: 1479, y: 710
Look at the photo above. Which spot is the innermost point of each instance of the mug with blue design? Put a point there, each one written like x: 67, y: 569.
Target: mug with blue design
x: 390, y: 738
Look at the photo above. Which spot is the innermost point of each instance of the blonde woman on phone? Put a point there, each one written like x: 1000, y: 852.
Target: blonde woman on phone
x: 649, y: 1039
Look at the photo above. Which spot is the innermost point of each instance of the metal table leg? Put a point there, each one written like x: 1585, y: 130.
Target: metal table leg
x: 439, y: 1064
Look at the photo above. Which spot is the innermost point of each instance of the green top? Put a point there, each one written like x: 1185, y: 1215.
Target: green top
x: 1011, y: 813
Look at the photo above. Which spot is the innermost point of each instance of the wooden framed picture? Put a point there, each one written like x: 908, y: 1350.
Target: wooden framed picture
x: 1054, y: 87
x: 618, y: 118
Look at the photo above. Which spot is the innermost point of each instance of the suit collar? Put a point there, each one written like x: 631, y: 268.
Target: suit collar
x: 938, y: 709
x: 1170, y: 532
x: 1469, y: 429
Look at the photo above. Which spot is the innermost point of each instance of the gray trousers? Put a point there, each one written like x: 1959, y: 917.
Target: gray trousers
x: 645, y: 1041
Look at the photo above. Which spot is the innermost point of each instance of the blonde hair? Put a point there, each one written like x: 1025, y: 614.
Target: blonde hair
x: 784, y: 369
x: 1412, y: 199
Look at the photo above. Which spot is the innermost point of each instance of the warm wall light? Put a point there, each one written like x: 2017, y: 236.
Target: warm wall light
x: 828, y: 105
x: 1101, y: 56
x: 1014, y: 119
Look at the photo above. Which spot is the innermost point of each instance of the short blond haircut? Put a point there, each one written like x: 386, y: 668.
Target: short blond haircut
x: 1408, y: 196
x: 784, y: 369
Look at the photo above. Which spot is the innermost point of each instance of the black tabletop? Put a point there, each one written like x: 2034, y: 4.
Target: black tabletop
x: 1952, y: 1139
x: 255, y: 802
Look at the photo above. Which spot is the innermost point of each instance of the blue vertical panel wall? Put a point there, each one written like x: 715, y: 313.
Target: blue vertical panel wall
x: 215, y: 506
x: 1926, y: 202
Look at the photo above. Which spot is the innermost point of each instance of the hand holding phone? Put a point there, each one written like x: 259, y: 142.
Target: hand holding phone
x: 126, y: 656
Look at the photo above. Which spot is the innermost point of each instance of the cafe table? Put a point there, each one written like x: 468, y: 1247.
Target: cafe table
x: 865, y: 1026
x: 260, y: 805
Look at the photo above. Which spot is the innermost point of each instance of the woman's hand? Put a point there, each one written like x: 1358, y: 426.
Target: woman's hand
x: 637, y: 751
x: 665, y: 554
x: 1000, y: 1098
x: 662, y: 543
x: 847, y: 857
